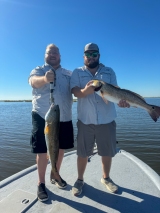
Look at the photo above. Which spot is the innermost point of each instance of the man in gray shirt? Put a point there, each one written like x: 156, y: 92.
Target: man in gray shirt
x: 95, y: 117
x: 40, y: 79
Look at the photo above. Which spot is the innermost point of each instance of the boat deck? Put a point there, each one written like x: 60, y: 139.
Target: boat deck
x: 139, y: 188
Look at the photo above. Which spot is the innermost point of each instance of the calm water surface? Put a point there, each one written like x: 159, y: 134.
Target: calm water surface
x: 137, y: 133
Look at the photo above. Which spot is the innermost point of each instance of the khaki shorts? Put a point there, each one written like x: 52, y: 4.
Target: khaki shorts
x: 104, y: 135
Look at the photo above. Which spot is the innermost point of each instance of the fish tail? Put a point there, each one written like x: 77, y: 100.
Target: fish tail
x: 54, y: 175
x: 154, y: 112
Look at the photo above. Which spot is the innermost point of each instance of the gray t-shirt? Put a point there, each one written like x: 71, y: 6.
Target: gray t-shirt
x: 92, y: 109
x: 62, y: 94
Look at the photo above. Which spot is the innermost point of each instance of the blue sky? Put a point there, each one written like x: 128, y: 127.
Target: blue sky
x: 126, y: 31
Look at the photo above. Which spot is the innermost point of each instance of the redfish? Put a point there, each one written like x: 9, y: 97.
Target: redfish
x: 52, y: 125
x: 114, y: 94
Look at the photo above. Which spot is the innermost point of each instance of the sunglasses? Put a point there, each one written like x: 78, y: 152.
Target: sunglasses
x: 94, y: 54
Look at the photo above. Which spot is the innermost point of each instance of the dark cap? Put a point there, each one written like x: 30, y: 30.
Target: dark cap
x: 91, y: 46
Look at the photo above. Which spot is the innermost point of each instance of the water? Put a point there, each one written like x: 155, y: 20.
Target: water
x: 137, y: 133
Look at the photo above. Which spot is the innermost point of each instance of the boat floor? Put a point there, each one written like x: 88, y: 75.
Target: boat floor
x: 139, y: 188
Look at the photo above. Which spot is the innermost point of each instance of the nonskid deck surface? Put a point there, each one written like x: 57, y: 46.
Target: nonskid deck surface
x: 139, y: 188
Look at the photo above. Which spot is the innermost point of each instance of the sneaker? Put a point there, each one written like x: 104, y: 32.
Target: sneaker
x: 77, y: 188
x: 41, y: 193
x: 60, y: 185
x: 110, y: 185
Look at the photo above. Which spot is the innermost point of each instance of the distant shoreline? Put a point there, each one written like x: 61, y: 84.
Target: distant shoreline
x: 74, y: 100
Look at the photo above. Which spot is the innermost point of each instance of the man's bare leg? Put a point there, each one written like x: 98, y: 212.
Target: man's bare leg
x: 106, y: 165
x: 42, y: 162
x: 81, y: 165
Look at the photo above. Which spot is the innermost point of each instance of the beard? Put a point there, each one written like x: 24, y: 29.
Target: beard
x: 55, y: 63
x: 92, y: 64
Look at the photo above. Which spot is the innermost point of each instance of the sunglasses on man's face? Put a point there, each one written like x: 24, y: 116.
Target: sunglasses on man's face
x: 94, y: 54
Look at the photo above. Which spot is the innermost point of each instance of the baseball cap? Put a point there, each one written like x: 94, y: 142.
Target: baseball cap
x: 91, y: 46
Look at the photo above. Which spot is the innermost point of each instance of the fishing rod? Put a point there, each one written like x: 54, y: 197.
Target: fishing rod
x: 51, y: 93
x: 52, y: 86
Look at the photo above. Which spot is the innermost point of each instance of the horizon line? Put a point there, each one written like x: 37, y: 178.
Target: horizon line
x: 73, y: 99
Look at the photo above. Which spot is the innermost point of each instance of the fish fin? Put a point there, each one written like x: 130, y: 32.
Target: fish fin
x: 154, y: 112
x: 46, y: 129
x: 134, y: 94
x: 105, y: 100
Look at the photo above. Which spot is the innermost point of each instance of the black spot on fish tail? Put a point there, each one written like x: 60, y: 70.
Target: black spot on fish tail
x: 154, y: 112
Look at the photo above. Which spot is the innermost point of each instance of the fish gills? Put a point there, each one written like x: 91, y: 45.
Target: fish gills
x: 114, y: 94
x: 52, y: 122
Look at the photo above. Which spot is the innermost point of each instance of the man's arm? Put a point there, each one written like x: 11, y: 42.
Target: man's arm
x: 81, y: 93
x: 39, y: 81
